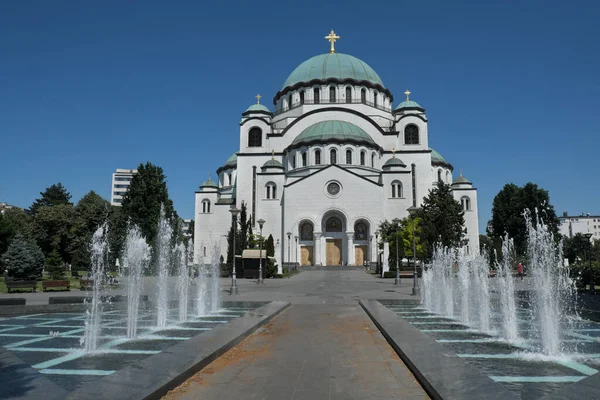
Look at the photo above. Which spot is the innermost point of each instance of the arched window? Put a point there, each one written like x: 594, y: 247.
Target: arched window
x: 229, y: 179
x: 204, y: 251
x: 332, y: 94
x: 316, y: 96
x: 397, y: 189
x: 439, y: 175
x: 306, y: 231
x: 206, y: 206
x: 361, y: 231
x: 304, y: 159
x: 348, y: 94
x: 375, y: 99
x: 302, y: 97
x: 317, y: 157
x: 465, y: 202
x: 271, y: 190
x: 333, y: 224
x: 373, y: 160
x: 255, y: 137
x: 348, y: 156
x: 411, y: 134
x: 362, y: 158
x: 363, y: 96
x: 293, y: 160
x: 290, y: 101
x: 448, y: 177
x: 333, y: 156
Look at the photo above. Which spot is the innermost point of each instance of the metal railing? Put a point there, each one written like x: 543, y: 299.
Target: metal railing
x: 337, y: 101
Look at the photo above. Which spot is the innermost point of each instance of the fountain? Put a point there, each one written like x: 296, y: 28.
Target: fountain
x: 183, y: 280
x: 99, y: 251
x: 202, y: 298
x: 163, y: 259
x: 506, y: 285
x: 136, y: 258
x: 215, y: 303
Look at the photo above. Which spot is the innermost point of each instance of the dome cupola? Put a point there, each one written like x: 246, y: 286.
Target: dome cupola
x: 394, y: 162
x: 333, y: 131
x: 408, y: 104
x: 257, y: 108
x: 209, y: 183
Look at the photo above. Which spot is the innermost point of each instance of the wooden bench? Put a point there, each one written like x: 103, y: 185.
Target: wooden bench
x: 56, y: 284
x: 406, y: 274
x: 10, y: 285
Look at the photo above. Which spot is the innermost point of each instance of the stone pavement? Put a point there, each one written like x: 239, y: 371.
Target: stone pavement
x: 323, y: 347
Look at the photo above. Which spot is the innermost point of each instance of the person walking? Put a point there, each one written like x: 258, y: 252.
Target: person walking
x: 520, y: 270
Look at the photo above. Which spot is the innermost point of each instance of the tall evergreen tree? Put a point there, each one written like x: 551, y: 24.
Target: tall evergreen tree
x: 270, y: 246
x: 54, y: 195
x: 23, y: 260
x: 142, y: 202
x: 90, y: 212
x: 55, y: 266
x: 13, y: 221
x: 245, y: 228
x: 52, y: 229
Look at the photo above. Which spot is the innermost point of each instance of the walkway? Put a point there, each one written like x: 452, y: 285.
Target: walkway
x: 323, y: 347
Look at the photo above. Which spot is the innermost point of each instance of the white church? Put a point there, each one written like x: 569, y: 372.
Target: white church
x: 323, y: 169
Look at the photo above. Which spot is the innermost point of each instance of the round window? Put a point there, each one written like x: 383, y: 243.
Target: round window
x: 333, y: 188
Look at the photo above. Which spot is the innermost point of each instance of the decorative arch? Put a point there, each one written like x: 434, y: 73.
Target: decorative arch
x: 206, y: 206
x: 332, y: 94
x: 348, y: 156
x: 396, y: 189
x: 255, y: 137
x: 334, y: 220
x: 411, y: 134
x: 348, y: 94
x: 306, y: 230
x: 270, y: 190
x: 361, y: 229
x: 465, y: 202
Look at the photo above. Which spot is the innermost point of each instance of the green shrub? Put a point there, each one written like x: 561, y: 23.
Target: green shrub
x: 55, y: 266
x: 271, y: 269
x: 23, y: 260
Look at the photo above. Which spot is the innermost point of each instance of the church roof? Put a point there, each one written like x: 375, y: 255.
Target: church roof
x: 461, y: 179
x: 332, y: 66
x: 231, y: 161
x: 257, y: 107
x: 394, y: 162
x: 437, y: 159
x: 333, y: 131
x: 408, y: 104
x: 272, y: 164
x: 209, y: 183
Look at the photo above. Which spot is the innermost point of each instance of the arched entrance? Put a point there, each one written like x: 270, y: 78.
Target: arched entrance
x: 361, y: 242
x: 306, y: 235
x: 333, y: 226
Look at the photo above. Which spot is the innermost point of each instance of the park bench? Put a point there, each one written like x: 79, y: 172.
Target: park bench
x: 10, y: 285
x: 406, y: 274
x: 56, y: 284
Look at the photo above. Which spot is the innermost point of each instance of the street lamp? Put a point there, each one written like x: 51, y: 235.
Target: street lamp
x: 397, y: 280
x: 416, y: 290
x: 377, y: 250
x: 234, y: 213
x: 261, y: 222
x: 289, y: 235
x: 296, y: 239
x: 588, y: 236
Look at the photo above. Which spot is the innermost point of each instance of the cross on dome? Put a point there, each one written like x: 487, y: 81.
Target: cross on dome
x: 258, y: 97
x: 407, y: 93
x: 332, y: 37
x: 393, y: 152
x: 272, y: 154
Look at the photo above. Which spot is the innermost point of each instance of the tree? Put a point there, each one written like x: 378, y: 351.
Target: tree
x: 508, y: 212
x: 53, y: 196
x: 390, y: 231
x: 52, y: 229
x: 91, y: 212
x: 55, y: 266
x: 142, y: 202
x: 270, y: 246
x: 13, y: 221
x: 406, y: 234
x: 245, y: 227
x: 576, y: 248
x: 442, y: 219
x: 117, y: 232
x: 23, y: 260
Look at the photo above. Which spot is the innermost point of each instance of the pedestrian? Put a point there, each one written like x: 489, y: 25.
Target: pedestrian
x: 520, y: 270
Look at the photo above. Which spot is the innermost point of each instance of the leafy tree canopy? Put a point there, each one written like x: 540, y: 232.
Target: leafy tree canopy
x: 52, y: 229
x: 91, y: 212
x: 23, y: 260
x: 13, y: 221
x: 508, y: 208
x: 54, y: 195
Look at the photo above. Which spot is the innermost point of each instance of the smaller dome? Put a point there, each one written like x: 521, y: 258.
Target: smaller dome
x: 257, y: 107
x: 272, y: 164
x: 209, y: 183
x: 231, y: 161
x: 333, y: 131
x: 408, y: 104
x: 461, y: 179
x: 394, y: 162
x: 436, y: 157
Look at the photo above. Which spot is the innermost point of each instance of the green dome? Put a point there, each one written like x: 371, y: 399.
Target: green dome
x: 209, y: 183
x: 393, y: 162
x: 333, y: 131
x: 461, y: 179
x: 333, y: 66
x: 231, y: 161
x: 272, y: 164
x: 257, y: 107
x: 408, y: 104
x: 436, y: 157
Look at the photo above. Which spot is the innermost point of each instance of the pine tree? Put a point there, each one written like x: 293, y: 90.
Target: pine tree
x: 52, y: 196
x: 55, y: 266
x: 23, y: 260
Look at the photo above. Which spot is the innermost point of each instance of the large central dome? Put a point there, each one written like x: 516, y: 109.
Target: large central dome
x: 333, y: 66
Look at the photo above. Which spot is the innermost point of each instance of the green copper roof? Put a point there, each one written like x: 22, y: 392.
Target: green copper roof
x: 339, y: 131
x: 272, y: 164
x: 209, y: 183
x: 231, y: 161
x: 461, y: 179
x: 394, y: 162
x: 408, y: 104
x: 258, y: 107
x: 436, y: 157
x: 332, y: 65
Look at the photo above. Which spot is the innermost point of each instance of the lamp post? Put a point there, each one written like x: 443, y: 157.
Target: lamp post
x: 397, y: 280
x: 296, y: 239
x: 588, y: 236
x: 289, y: 235
x: 261, y: 222
x: 369, y: 261
x: 377, y: 250
x: 416, y: 290
x: 234, y: 213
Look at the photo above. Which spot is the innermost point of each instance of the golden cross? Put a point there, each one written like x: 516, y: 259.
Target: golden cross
x: 272, y: 154
x: 258, y: 96
x: 393, y: 152
x: 332, y: 37
x: 461, y: 172
x: 407, y: 93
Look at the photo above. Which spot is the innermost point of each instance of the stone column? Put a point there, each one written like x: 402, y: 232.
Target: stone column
x: 350, y: 251
x: 317, y: 248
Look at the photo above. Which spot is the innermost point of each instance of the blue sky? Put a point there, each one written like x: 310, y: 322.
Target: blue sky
x: 511, y: 88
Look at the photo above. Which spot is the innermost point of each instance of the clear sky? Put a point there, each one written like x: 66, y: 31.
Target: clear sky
x: 511, y: 88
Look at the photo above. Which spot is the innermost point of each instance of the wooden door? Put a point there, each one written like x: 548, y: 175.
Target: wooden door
x: 334, y: 251
x: 360, y: 255
x: 306, y: 255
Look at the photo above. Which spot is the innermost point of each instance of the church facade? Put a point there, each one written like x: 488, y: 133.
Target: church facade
x: 332, y: 160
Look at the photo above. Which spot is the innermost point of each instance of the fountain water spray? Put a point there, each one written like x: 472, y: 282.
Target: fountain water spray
x: 183, y: 281
x: 163, y: 260
x: 215, y: 303
x: 506, y: 285
x: 136, y: 258
x: 202, y: 298
x: 99, y: 252
x: 481, y: 291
